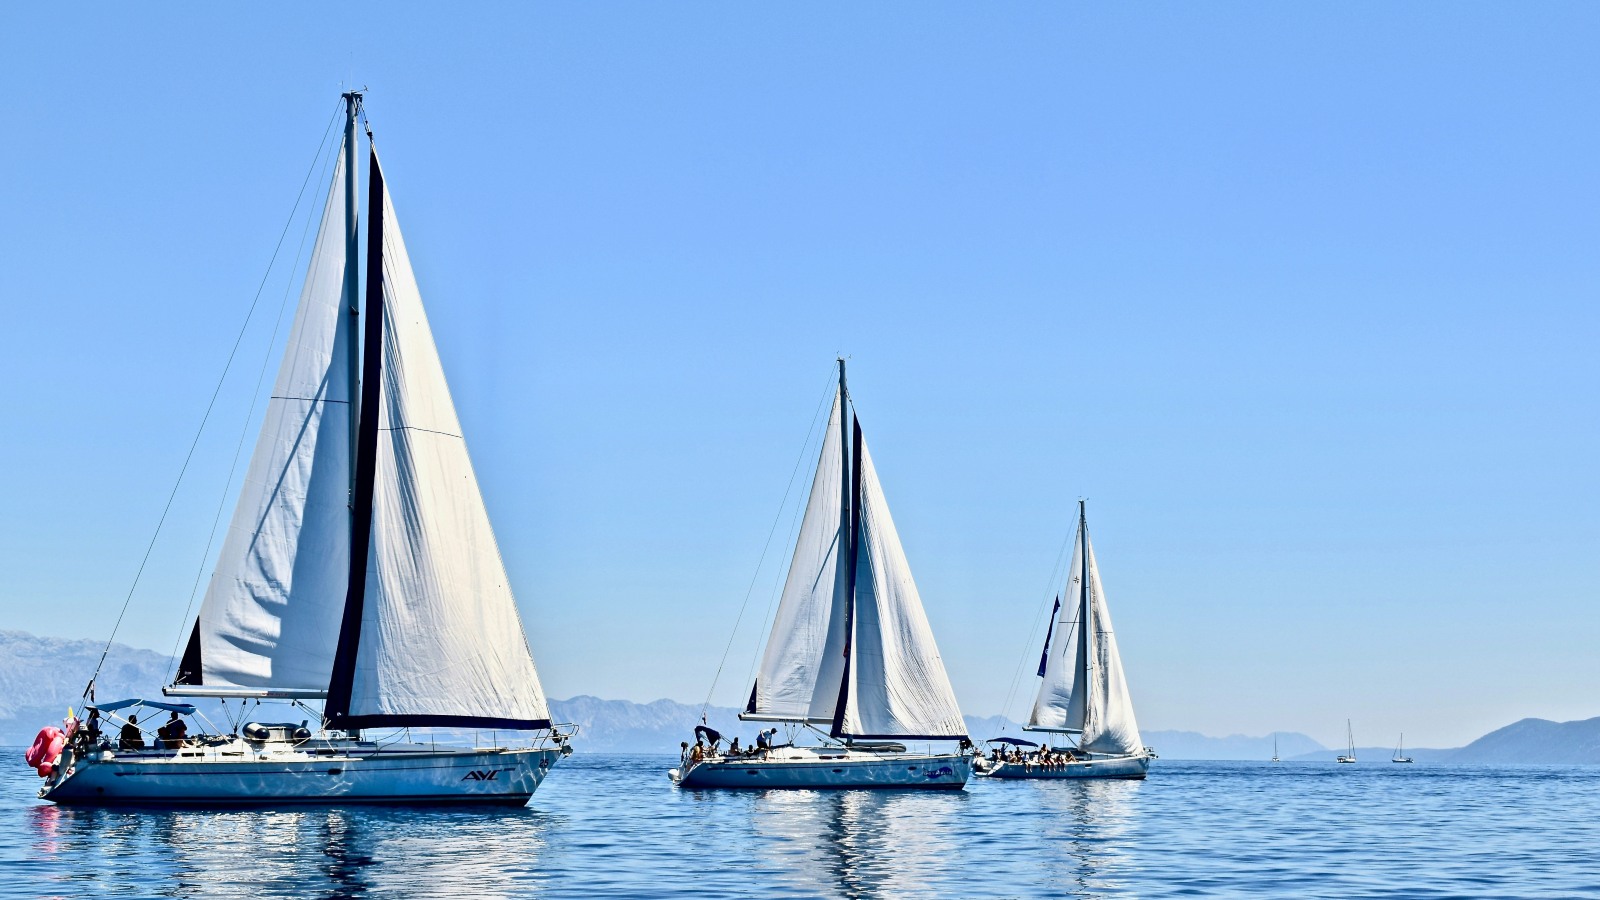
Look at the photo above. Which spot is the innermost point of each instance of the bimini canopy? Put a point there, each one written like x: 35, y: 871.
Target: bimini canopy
x: 1008, y: 740
x: 182, y: 709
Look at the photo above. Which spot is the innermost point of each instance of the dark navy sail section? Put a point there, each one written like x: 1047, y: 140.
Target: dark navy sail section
x: 432, y: 636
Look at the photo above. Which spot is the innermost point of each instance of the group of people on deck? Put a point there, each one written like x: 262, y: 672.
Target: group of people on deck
x: 170, y: 736
x: 708, y: 745
x: 1046, y: 758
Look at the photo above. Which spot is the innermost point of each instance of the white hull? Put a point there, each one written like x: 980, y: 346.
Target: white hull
x: 829, y: 767
x: 326, y: 772
x: 1107, y: 767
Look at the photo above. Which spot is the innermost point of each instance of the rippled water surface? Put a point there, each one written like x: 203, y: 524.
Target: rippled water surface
x: 612, y: 826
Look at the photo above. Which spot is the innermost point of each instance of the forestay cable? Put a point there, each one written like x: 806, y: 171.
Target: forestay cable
x: 783, y: 504
x: 210, y: 405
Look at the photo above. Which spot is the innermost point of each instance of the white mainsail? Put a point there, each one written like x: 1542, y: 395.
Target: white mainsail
x: 440, y: 637
x: 807, y: 641
x: 898, y: 685
x: 1059, y: 705
x: 270, y: 618
x: 877, y: 637
x: 1084, y: 688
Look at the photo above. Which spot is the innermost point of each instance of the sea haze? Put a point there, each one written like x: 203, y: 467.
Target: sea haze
x: 28, y: 702
x: 607, y: 826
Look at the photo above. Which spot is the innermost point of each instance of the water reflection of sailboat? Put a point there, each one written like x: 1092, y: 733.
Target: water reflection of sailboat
x: 862, y: 843
x: 1093, y: 820
x: 305, y: 852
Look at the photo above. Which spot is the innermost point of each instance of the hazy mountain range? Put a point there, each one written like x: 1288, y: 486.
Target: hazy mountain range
x: 39, y: 681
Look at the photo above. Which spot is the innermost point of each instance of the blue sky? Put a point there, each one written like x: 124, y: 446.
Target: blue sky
x: 1301, y: 297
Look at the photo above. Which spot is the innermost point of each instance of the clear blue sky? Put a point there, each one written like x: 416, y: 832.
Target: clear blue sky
x: 1302, y: 297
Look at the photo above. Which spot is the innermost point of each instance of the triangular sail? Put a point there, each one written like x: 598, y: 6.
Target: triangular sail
x: 1111, y: 726
x: 1084, y: 688
x: 898, y: 687
x: 805, y: 649
x: 440, y: 641
x: 1059, y: 705
x: 270, y: 618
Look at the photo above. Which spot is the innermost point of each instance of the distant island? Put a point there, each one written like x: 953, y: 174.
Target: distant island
x: 28, y: 702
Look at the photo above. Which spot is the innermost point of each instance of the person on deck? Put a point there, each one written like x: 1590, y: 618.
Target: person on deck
x: 131, y: 738
x: 177, y: 731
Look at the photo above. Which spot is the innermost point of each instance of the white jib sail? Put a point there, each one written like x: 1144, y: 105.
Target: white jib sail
x: 271, y: 613
x: 440, y: 633
x: 803, y: 662
x: 898, y: 685
x: 1059, y: 705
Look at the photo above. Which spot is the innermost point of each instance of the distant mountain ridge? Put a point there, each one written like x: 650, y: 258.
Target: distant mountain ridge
x: 38, y: 682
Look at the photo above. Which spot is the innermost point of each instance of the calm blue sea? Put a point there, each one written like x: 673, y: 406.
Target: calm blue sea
x: 612, y: 826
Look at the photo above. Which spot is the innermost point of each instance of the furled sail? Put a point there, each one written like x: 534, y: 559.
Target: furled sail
x: 270, y: 618
x: 1084, y: 688
x: 806, y: 646
x: 438, y: 640
x: 897, y: 682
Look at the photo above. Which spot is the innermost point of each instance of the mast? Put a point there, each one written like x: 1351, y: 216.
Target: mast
x: 1085, y: 623
x: 352, y: 283
x: 850, y: 522
x: 344, y: 659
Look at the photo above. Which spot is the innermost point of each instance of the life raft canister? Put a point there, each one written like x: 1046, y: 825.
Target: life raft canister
x: 46, y: 749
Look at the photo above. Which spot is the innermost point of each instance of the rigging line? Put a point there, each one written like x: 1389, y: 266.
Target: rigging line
x: 759, y: 562
x: 210, y: 405
x: 1033, y: 634
x: 244, y: 427
x: 791, y: 535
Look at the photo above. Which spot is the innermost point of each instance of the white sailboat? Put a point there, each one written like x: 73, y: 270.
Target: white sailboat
x: 359, y: 569
x: 1275, y: 746
x: 850, y: 651
x: 1350, y: 738
x: 1083, y: 692
x: 1400, y: 751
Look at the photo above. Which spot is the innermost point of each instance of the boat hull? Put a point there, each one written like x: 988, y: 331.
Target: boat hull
x: 504, y: 777
x: 830, y: 770
x: 1134, y: 767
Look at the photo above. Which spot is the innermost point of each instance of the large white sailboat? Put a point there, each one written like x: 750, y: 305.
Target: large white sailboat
x: 850, y: 651
x: 360, y: 570
x: 1083, y: 693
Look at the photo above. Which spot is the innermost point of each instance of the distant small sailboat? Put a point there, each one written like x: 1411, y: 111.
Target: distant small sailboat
x: 1350, y: 737
x: 1082, y: 691
x: 850, y: 651
x: 1400, y: 751
x: 1275, y: 747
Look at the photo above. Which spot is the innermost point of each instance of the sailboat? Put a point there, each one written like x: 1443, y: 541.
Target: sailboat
x: 850, y: 650
x: 360, y: 570
x: 1350, y: 738
x: 1275, y: 747
x: 1400, y: 751
x: 1083, y: 692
